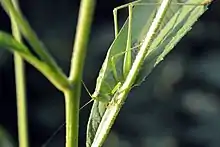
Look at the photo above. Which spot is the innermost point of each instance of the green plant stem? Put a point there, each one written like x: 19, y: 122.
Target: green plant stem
x: 72, y: 118
x: 72, y: 96
x: 54, y: 76
x: 20, y: 88
x: 32, y: 38
x: 21, y: 100
x: 28, y: 33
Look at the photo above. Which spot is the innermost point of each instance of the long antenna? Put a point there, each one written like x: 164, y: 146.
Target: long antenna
x: 63, y: 124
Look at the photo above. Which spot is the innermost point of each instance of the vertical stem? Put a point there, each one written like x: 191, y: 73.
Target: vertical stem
x: 72, y: 95
x: 21, y: 101
x: 20, y: 87
x: 72, y: 118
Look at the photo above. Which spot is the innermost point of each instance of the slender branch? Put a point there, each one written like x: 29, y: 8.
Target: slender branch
x: 81, y: 40
x: 72, y: 96
x: 28, y: 33
x: 32, y: 38
x: 20, y: 87
x: 60, y: 81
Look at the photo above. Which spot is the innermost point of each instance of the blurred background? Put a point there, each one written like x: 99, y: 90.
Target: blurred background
x: 177, y: 106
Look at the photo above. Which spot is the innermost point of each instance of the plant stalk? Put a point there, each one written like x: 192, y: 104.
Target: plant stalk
x: 72, y: 96
x: 20, y: 87
x: 36, y: 44
x: 28, y: 33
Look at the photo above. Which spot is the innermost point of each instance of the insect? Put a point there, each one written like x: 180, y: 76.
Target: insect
x: 158, y: 41
x: 119, y: 58
x: 123, y: 51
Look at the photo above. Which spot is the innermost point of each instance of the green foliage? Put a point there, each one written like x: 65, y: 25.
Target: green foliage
x: 176, y: 23
x: 5, y: 138
x: 44, y: 62
x: 8, y: 42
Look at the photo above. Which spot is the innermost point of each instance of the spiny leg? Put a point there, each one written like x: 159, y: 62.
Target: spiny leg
x: 113, y: 60
x: 115, y: 13
x: 127, y: 58
x: 127, y: 63
x: 139, y: 3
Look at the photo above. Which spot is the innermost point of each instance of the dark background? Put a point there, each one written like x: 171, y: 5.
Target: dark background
x: 177, y: 106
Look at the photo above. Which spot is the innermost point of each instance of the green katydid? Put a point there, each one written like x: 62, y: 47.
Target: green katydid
x: 179, y: 17
x: 116, y: 74
x: 129, y: 50
x: 119, y: 58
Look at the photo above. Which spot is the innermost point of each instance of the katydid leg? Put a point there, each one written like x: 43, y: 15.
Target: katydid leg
x: 114, y: 58
x: 115, y: 13
x: 127, y: 58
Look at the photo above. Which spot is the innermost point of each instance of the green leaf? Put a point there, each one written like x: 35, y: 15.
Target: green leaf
x: 53, y: 75
x: 59, y: 79
x: 5, y: 138
x: 29, y: 34
x: 105, y: 81
x: 169, y: 36
x: 177, y: 22
x: 8, y: 42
